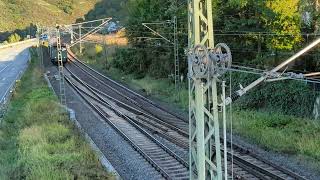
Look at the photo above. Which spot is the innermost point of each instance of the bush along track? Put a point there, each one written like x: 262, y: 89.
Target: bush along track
x: 36, y: 143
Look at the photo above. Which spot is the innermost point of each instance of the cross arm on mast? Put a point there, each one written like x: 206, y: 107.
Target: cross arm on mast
x: 155, y: 32
x: 94, y: 30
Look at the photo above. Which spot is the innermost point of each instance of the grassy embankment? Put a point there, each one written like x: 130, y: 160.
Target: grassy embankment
x: 36, y: 143
x: 19, y: 14
x: 273, y: 131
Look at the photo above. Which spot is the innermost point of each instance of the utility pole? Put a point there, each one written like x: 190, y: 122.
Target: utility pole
x: 105, y: 51
x: 40, y: 52
x: 71, y: 34
x: 176, y: 54
x: 206, y: 64
x: 174, y: 43
x: 63, y: 100
x: 93, y: 30
x: 259, y: 45
x: 80, y: 42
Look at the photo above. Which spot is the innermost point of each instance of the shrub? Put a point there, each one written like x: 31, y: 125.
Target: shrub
x: 288, y: 97
x: 66, y: 6
x: 99, y: 49
x: 14, y: 38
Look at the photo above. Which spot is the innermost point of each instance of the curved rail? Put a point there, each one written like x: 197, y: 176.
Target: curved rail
x: 158, y: 155
x: 246, y: 159
x: 125, y: 88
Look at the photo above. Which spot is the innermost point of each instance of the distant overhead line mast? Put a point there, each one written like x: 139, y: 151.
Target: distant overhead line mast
x: 63, y: 100
x: 102, y: 23
x: 174, y: 42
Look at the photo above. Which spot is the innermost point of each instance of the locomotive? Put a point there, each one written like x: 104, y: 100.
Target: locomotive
x: 54, y: 54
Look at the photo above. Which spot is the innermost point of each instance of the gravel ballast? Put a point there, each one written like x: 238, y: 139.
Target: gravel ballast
x: 127, y: 162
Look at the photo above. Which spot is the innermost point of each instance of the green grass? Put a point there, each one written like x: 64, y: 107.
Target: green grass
x: 280, y: 133
x: 37, y: 141
x: 270, y: 130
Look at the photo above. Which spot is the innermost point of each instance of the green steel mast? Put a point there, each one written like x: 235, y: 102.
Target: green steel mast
x: 203, y: 61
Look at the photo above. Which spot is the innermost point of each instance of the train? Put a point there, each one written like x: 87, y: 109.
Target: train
x: 54, y: 54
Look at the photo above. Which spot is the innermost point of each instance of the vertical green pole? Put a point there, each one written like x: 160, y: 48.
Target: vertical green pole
x: 176, y: 54
x: 205, y: 152
x: 106, y: 52
x: 224, y: 115
x: 71, y: 34
x: 191, y: 161
x: 80, y: 42
x: 199, y: 101
x: 209, y: 24
x: 216, y: 127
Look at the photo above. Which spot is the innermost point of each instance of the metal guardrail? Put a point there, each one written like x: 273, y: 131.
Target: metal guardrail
x: 35, y: 40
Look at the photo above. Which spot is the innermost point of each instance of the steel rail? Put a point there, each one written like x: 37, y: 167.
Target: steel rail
x: 249, y: 166
x: 150, y: 121
x: 243, y: 167
x: 101, y: 100
x: 147, y: 114
x: 244, y: 164
x: 99, y: 111
x: 167, y: 150
x: 125, y: 88
x: 126, y: 97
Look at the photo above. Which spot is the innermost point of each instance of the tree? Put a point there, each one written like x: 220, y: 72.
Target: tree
x: 99, y: 49
x: 282, y: 18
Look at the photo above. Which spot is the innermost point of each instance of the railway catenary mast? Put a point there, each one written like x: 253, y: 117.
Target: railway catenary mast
x: 63, y: 100
x: 206, y: 64
x: 205, y: 159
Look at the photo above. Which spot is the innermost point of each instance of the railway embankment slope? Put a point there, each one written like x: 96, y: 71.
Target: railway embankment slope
x: 37, y: 141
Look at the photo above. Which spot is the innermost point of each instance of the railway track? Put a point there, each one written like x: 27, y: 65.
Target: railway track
x: 154, y: 118
x: 166, y: 162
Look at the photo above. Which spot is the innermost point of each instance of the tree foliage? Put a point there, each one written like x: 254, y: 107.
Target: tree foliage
x: 283, y: 18
x: 109, y: 8
x: 251, y: 19
x: 14, y: 38
x: 66, y: 6
x: 260, y: 33
x: 152, y: 55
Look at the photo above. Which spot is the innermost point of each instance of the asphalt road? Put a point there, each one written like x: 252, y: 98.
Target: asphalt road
x: 13, y: 62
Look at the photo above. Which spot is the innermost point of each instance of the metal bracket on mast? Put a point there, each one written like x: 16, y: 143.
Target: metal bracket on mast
x: 205, y: 64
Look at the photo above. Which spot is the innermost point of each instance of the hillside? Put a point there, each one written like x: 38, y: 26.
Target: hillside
x: 18, y: 14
